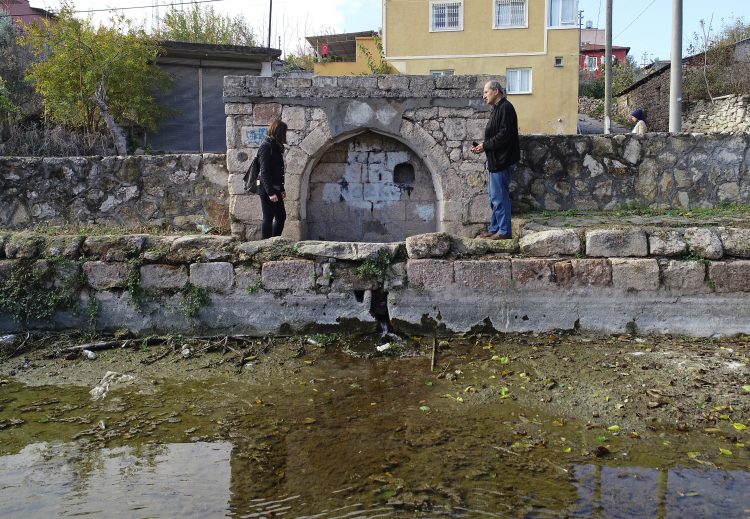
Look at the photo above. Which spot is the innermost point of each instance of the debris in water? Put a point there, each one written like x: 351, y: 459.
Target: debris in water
x: 186, y: 352
x: 89, y: 354
x: 384, y: 347
x: 110, y: 378
x: 601, y: 451
x: 7, y: 340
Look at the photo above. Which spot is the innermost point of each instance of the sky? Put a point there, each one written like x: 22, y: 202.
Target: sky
x: 642, y: 25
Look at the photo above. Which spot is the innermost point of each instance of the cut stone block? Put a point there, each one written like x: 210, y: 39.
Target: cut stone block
x: 163, y: 277
x: 295, y: 275
x: 704, y: 243
x: 635, y: 274
x: 430, y: 274
x: 591, y: 272
x: 554, y: 242
x: 532, y: 273
x: 684, y: 276
x: 730, y: 276
x: 103, y: 276
x: 217, y: 276
x: 667, y: 243
x: 492, y: 275
x: 430, y: 245
x: 736, y: 242
x: 609, y: 243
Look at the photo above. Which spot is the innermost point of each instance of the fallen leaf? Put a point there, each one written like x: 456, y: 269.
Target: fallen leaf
x: 715, y: 430
x: 424, y: 408
x: 567, y: 449
x: 725, y: 452
x: 613, y: 428
x: 746, y: 389
x: 601, y: 439
x: 690, y: 494
x: 558, y: 422
x: 723, y: 417
x: 504, y: 392
x: 428, y: 383
x: 739, y: 426
x: 309, y: 421
x: 693, y: 454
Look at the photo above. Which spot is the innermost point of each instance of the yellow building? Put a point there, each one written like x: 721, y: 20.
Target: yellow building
x: 349, y: 54
x: 532, y: 43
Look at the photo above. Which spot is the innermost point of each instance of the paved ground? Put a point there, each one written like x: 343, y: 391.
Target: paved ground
x: 589, y: 126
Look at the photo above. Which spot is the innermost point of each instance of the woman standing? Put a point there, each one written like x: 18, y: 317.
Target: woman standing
x: 271, y: 189
x: 639, y: 119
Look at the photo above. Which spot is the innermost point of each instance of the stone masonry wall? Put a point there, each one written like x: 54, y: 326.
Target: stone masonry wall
x: 623, y: 280
x: 727, y: 114
x: 437, y: 119
x: 169, y: 191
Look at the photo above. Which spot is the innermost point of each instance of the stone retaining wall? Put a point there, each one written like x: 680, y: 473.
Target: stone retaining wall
x: 726, y: 114
x: 693, y: 281
x: 169, y: 191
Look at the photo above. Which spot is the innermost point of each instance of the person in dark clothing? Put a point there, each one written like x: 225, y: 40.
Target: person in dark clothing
x: 271, y: 190
x: 503, y: 151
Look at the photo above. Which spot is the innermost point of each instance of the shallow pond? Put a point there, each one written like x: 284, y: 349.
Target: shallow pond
x: 337, y: 436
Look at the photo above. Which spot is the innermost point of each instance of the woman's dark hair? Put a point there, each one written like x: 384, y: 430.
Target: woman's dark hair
x: 277, y: 130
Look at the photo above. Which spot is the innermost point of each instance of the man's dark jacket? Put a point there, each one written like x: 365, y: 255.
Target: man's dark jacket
x: 501, y: 137
x: 271, y: 158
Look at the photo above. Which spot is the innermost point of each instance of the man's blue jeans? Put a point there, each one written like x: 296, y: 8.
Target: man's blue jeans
x: 499, y: 187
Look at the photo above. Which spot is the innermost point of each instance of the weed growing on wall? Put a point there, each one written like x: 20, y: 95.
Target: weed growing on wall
x: 374, y: 268
x: 29, y: 292
x: 133, y: 282
x: 193, y: 299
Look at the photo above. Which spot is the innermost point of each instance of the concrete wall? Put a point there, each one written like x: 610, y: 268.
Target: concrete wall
x: 624, y: 280
x: 170, y: 191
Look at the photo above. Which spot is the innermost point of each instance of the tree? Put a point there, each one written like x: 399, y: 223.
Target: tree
x: 624, y: 74
x: 719, y: 72
x: 198, y: 24
x: 90, y: 77
x: 382, y: 66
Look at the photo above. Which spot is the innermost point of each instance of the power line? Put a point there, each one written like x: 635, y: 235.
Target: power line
x: 636, y: 18
x: 110, y: 9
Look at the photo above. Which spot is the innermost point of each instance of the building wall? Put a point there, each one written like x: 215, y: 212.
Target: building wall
x: 479, y: 49
x: 653, y: 98
x: 352, y: 68
x: 620, y: 55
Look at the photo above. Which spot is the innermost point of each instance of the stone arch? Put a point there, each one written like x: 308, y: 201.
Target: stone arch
x: 415, y: 139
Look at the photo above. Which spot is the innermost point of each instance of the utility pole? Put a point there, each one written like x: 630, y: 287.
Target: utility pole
x: 675, y: 73
x: 608, y: 71
x: 270, y: 11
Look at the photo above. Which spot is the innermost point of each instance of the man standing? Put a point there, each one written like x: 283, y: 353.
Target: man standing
x: 503, y: 151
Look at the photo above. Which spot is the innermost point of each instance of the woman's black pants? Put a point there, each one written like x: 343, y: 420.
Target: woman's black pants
x: 274, y: 216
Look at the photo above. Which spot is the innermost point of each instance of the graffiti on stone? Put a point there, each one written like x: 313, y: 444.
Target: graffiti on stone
x: 253, y: 136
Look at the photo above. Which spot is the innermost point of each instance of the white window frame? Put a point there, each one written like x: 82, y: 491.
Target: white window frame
x: 432, y: 5
x: 557, y: 17
x: 509, y: 81
x: 592, y: 60
x: 525, y: 24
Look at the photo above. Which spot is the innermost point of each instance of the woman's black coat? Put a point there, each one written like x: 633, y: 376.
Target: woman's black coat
x: 271, y: 158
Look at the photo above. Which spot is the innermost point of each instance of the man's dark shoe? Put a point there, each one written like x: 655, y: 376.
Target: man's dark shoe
x: 499, y: 236
x: 485, y: 234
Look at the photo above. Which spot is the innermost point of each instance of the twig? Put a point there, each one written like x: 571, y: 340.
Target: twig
x: 434, y: 354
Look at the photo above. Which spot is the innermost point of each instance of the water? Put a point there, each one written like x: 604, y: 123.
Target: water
x: 335, y: 436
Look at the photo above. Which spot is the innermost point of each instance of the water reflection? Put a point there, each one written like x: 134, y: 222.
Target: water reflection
x: 71, y: 479
x: 211, y: 480
x: 680, y: 492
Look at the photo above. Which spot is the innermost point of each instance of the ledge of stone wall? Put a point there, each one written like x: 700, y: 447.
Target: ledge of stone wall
x: 433, y: 281
x: 169, y: 191
x: 244, y: 88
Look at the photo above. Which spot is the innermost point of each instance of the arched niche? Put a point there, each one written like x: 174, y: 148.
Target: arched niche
x: 370, y: 187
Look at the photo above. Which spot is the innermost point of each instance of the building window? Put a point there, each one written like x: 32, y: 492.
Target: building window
x: 446, y: 16
x: 510, y: 13
x: 559, y: 61
x: 519, y: 80
x: 591, y: 63
x: 563, y: 13
x: 445, y: 72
